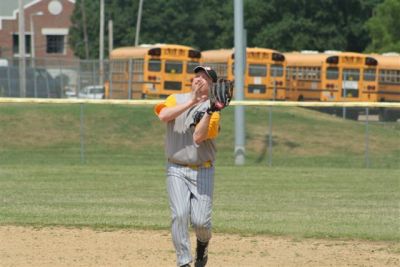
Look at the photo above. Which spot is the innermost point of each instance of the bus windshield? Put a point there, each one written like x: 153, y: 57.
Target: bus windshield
x: 257, y: 70
x: 173, y: 66
x: 154, y: 65
x: 332, y: 73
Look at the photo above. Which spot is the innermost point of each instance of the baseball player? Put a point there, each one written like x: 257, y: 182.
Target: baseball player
x: 192, y: 122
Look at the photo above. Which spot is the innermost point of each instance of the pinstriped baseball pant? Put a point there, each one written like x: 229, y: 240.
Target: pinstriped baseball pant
x: 190, y: 194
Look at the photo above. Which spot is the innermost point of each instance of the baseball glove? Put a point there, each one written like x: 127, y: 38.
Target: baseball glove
x: 220, y: 95
x: 197, y: 116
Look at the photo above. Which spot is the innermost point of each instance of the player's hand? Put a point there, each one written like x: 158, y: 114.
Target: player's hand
x: 198, y: 87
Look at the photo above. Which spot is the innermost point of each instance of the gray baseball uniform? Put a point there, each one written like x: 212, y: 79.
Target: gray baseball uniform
x: 190, y: 177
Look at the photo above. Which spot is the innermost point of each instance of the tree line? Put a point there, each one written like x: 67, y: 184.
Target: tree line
x: 284, y: 25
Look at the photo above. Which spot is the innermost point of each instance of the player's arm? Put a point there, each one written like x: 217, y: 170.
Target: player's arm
x: 170, y: 113
x: 170, y: 110
x: 208, y: 128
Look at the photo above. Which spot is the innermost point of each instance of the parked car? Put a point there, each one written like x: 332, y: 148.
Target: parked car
x: 70, y: 94
x: 92, y: 92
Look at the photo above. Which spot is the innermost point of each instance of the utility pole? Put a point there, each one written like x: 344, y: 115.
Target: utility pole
x: 21, y: 44
x: 33, y: 55
x: 85, y: 34
x: 239, y: 83
x: 101, y: 56
x: 110, y: 36
x: 138, y: 21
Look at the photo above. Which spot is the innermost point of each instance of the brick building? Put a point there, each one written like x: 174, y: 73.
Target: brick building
x: 50, y: 20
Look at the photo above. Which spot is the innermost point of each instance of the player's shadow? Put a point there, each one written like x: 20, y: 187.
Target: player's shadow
x: 274, y: 143
x: 264, y: 149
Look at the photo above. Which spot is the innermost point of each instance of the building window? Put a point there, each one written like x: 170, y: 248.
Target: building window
x: 55, y: 44
x: 16, y: 43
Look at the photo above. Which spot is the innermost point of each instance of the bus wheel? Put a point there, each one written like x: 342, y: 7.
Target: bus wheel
x: 382, y: 99
x: 300, y: 98
x: 144, y: 96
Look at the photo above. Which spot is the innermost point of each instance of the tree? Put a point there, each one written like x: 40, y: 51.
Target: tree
x: 208, y: 24
x: 77, y: 37
x: 308, y: 25
x: 203, y: 24
x: 384, y: 27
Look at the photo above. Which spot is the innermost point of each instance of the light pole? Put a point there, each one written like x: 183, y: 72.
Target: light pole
x: 101, y: 45
x: 33, y: 49
x: 33, y: 36
x: 21, y: 49
x: 138, y: 22
x: 240, y: 51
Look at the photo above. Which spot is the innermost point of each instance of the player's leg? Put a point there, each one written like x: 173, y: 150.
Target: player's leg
x: 179, y: 199
x: 201, y: 204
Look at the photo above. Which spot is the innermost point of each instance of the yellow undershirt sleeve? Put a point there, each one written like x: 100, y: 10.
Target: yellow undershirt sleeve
x: 213, y: 126
x: 169, y: 102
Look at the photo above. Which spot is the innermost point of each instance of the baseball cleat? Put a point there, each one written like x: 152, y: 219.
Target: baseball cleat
x: 201, y: 254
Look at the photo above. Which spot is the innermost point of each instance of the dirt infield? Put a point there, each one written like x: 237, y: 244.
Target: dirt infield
x: 23, y: 246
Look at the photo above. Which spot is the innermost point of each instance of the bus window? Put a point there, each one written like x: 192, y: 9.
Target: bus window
x: 172, y: 85
x: 382, y: 76
x: 173, y: 67
x: 351, y: 75
x: 257, y: 88
x: 332, y: 73
x: 276, y: 70
x: 291, y: 73
x: 154, y: 65
x: 257, y: 70
x: 190, y: 66
x: 369, y: 74
x: 389, y: 76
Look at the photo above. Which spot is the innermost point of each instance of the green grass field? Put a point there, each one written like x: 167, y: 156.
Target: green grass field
x: 124, y: 135
x: 317, y: 187
x: 301, y: 202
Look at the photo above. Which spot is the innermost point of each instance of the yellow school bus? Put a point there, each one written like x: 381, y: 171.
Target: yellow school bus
x: 151, y: 71
x: 388, y: 77
x: 264, y: 76
x: 331, y: 76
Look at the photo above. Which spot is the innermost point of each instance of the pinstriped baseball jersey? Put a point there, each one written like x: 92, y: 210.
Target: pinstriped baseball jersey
x: 179, y: 145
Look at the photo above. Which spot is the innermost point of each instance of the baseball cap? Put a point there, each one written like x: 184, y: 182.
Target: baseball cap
x: 210, y: 72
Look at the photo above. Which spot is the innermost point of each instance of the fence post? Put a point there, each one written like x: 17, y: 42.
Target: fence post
x: 110, y: 79
x: 9, y: 80
x: 130, y: 80
x: 95, y: 76
x: 34, y: 78
x: 62, y: 94
x: 78, y: 86
x: 344, y: 82
x: 270, y: 137
x: 82, y: 134
x: 270, y: 129
x: 366, y: 138
x: 47, y: 85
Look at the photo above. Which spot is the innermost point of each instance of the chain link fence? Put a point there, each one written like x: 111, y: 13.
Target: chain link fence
x: 51, y: 78
x: 61, y: 78
x: 278, y: 136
